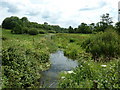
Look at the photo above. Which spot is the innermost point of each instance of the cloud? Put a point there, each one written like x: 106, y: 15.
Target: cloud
x: 10, y: 7
x: 62, y: 12
x: 30, y: 13
x: 100, y: 5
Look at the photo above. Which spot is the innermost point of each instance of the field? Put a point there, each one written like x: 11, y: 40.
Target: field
x: 25, y: 56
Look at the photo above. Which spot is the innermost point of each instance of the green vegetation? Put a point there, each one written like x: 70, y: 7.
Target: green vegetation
x: 103, y: 45
x: 23, y: 57
x: 33, y: 31
x: 26, y: 47
x: 90, y: 73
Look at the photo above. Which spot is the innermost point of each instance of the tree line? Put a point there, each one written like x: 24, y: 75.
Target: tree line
x: 24, y: 26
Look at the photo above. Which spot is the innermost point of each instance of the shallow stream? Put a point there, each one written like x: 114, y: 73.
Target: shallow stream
x: 59, y: 63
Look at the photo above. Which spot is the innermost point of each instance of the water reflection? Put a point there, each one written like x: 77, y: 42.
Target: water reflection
x: 58, y: 63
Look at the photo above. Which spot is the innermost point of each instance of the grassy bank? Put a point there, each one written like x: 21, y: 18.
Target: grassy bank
x: 23, y: 57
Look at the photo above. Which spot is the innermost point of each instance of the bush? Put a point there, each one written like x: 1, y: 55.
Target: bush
x: 106, y: 76
x: 42, y: 32
x: 33, y: 31
x: 19, y: 70
x: 21, y: 66
x: 103, y: 45
x: 25, y: 30
x: 17, y: 29
x: 51, y: 31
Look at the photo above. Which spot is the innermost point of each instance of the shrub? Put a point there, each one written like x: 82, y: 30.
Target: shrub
x: 33, y: 31
x: 103, y: 45
x: 42, y: 31
x: 21, y: 66
x: 51, y: 31
x: 106, y: 76
x: 17, y: 29
x: 18, y: 69
x: 25, y: 30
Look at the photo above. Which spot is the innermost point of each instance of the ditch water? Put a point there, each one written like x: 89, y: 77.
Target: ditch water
x: 59, y: 63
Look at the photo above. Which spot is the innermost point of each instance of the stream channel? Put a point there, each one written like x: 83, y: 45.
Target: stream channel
x: 59, y: 63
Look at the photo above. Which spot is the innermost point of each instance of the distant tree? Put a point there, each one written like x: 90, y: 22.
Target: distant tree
x: 10, y: 22
x: 42, y: 31
x: 117, y: 26
x: 92, y: 26
x: 25, y: 30
x: 45, y: 23
x: 83, y: 28
x: 24, y: 19
x: 105, y: 22
x: 75, y: 30
x: 106, y: 19
x: 17, y: 29
x: 70, y: 29
x: 51, y: 31
x: 33, y: 31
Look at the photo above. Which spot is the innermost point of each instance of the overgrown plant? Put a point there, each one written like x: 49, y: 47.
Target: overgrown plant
x: 103, y: 46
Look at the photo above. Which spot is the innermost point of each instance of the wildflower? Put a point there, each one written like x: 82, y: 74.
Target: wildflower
x: 71, y: 72
x: 63, y: 77
x: 103, y: 65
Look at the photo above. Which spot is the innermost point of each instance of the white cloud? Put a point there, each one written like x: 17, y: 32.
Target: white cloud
x: 61, y: 12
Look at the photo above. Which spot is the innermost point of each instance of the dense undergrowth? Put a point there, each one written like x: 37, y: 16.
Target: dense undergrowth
x: 91, y: 74
x: 23, y: 57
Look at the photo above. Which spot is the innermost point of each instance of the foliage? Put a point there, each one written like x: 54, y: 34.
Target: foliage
x: 23, y: 60
x: 83, y: 28
x: 51, y: 31
x: 10, y: 22
x: 117, y: 26
x: 88, y: 72
x: 42, y: 31
x: 105, y: 22
x: 33, y: 31
x: 25, y: 30
x: 71, y: 30
x: 17, y: 29
x: 13, y: 21
x: 103, y: 45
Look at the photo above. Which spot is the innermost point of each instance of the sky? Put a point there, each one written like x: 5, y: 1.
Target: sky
x: 64, y: 13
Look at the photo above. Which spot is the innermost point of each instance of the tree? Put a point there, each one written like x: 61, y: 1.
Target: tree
x: 117, y: 26
x: 83, y: 28
x: 70, y: 29
x: 24, y: 19
x: 10, y: 22
x: 106, y: 19
x: 17, y: 29
x: 33, y: 31
x: 45, y: 23
x: 105, y: 22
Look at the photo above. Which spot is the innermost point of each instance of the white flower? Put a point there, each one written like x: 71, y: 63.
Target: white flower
x: 103, y: 65
x: 70, y: 72
x: 63, y: 77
